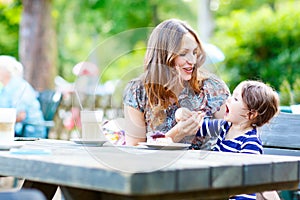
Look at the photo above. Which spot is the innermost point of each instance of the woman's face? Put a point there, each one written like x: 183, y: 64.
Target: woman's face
x: 187, y: 57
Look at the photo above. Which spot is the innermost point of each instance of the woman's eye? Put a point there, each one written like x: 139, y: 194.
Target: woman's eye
x: 182, y: 54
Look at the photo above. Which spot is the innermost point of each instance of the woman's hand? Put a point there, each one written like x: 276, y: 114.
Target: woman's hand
x: 182, y: 114
x: 186, y: 126
x: 190, y: 125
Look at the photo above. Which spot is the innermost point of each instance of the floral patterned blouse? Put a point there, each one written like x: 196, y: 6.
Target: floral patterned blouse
x: 213, y: 94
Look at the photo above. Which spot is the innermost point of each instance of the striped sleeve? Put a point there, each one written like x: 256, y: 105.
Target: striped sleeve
x: 210, y: 127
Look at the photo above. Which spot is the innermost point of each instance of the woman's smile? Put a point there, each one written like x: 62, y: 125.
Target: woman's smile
x: 188, y: 70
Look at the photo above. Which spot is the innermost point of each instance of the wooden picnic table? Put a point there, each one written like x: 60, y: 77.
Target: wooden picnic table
x: 111, y: 172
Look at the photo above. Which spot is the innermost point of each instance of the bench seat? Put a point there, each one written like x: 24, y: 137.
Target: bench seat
x: 282, y: 137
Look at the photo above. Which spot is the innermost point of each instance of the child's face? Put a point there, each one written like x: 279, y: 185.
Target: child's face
x: 236, y: 109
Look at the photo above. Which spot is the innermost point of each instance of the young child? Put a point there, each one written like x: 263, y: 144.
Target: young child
x: 251, y: 105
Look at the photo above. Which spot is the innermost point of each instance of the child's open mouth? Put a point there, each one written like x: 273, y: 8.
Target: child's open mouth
x: 227, y: 109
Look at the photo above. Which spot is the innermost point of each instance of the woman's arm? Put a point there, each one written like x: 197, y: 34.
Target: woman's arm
x: 134, y: 126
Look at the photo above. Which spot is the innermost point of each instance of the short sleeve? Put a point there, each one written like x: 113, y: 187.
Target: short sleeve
x: 134, y: 95
x: 216, y: 93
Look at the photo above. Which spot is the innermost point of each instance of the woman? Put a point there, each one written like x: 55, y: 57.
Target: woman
x: 171, y: 79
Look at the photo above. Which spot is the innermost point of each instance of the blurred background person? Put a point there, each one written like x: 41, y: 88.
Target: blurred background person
x: 87, y: 74
x: 15, y: 92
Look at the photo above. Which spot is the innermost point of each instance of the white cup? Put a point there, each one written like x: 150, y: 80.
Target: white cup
x: 91, y: 125
x: 7, y: 124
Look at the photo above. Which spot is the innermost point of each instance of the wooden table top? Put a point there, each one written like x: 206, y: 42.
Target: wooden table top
x: 142, y: 172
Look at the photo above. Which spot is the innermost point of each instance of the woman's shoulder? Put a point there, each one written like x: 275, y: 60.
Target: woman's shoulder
x: 136, y: 81
x: 135, y: 87
x: 134, y: 94
x: 134, y: 84
x: 214, y: 83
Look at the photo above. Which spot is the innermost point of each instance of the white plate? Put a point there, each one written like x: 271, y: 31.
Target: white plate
x: 8, y: 146
x: 172, y: 146
x: 89, y: 142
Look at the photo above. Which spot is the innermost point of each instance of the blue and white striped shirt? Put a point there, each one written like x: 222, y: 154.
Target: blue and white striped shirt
x: 249, y: 142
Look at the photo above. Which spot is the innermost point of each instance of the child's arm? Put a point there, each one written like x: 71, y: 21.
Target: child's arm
x: 206, y: 128
x: 210, y: 127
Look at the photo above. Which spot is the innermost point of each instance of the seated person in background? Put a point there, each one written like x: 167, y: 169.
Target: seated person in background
x: 17, y: 93
x: 251, y: 105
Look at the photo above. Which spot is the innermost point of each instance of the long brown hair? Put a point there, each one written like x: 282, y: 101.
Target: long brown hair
x: 160, y: 75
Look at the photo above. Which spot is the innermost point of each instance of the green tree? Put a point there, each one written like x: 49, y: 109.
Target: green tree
x: 296, y: 90
x: 285, y: 93
x: 83, y: 25
x: 225, y: 7
x: 9, y: 28
x: 261, y: 45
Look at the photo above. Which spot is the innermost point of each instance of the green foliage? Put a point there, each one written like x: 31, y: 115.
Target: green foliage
x: 261, y: 45
x: 296, y: 90
x: 83, y: 26
x: 9, y: 28
x: 89, y: 24
x: 260, y: 38
x: 285, y: 93
x: 227, y: 6
x: 126, y: 66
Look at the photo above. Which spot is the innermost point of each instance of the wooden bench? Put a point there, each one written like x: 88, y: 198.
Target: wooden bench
x: 282, y: 137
